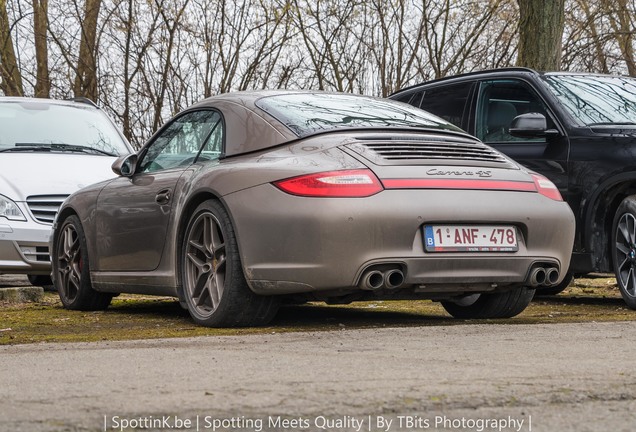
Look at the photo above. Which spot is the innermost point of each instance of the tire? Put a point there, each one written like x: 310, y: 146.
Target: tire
x: 624, y: 249
x: 504, y: 304
x: 557, y: 289
x: 41, y: 281
x: 71, y: 269
x: 214, y: 286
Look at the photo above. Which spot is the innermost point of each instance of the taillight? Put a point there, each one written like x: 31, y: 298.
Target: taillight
x: 546, y: 187
x: 333, y: 184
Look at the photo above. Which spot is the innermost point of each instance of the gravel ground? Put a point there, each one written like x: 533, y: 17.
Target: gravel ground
x: 551, y: 377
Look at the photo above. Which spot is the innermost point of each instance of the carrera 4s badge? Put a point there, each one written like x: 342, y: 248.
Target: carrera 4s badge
x: 438, y: 172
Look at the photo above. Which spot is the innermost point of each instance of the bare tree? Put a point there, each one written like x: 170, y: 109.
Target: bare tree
x: 332, y: 32
x: 394, y: 43
x: 586, y: 41
x: 11, y: 83
x: 455, y: 44
x: 599, y: 36
x: 128, y: 40
x: 145, y: 60
x: 272, y: 33
x: 171, y: 14
x: 622, y: 22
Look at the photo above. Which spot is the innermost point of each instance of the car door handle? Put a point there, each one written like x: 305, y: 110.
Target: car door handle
x: 163, y: 196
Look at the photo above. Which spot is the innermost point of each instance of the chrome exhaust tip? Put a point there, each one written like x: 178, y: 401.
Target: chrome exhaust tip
x: 537, y: 277
x: 551, y: 276
x: 372, y: 280
x: 393, y: 279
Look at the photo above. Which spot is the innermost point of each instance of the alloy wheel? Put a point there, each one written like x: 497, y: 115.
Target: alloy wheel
x: 69, y: 263
x: 205, y: 264
x: 626, y: 253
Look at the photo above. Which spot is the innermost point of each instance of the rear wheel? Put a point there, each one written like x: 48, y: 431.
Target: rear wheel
x: 71, y: 270
x: 504, y: 304
x: 214, y: 287
x: 624, y: 250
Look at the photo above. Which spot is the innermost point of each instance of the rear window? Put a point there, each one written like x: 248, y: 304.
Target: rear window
x: 307, y: 114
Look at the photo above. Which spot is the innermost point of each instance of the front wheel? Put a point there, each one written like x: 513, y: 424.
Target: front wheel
x: 504, y: 304
x: 71, y: 270
x: 215, y: 290
x: 624, y: 249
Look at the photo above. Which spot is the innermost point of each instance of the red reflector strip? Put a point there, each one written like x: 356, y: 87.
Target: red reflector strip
x: 459, y: 184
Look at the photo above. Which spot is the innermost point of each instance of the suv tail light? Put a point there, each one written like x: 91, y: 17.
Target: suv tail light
x: 357, y: 183
x: 546, y: 188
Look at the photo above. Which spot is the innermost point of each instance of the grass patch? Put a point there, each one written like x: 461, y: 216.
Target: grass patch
x: 144, y: 317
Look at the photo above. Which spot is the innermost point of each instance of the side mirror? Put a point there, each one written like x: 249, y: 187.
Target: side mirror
x: 531, y: 125
x: 125, y: 165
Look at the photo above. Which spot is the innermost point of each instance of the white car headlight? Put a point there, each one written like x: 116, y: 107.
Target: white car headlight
x: 10, y: 210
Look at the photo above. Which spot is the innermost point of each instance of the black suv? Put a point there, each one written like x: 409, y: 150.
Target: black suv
x: 579, y: 130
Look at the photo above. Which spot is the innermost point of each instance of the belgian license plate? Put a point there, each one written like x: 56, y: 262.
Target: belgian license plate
x: 470, y: 238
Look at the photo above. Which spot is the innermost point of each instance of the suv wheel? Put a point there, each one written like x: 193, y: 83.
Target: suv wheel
x: 624, y: 249
x: 504, y: 304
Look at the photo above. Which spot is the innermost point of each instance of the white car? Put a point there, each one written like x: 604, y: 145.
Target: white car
x: 48, y: 150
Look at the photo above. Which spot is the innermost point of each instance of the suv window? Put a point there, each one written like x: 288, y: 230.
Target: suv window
x: 407, y: 98
x: 448, y: 102
x: 500, y: 101
x: 596, y: 100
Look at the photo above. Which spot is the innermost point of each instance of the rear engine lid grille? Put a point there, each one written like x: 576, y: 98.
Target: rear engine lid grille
x: 45, y: 207
x: 429, y: 150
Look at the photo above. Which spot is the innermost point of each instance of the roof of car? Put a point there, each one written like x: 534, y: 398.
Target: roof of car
x: 68, y: 102
x: 247, y: 130
x: 249, y: 98
x: 468, y: 75
x: 510, y: 70
x: 249, y: 127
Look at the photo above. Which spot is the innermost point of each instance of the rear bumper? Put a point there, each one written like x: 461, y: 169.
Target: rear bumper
x: 292, y: 244
x: 24, y: 247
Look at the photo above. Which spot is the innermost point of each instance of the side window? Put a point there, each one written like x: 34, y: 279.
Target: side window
x: 193, y: 136
x: 448, y: 102
x: 499, y: 103
x: 416, y: 99
x: 405, y: 98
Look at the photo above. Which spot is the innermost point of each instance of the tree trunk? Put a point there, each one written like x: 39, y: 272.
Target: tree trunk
x: 11, y: 80
x: 40, y: 18
x: 540, y: 31
x: 86, y: 78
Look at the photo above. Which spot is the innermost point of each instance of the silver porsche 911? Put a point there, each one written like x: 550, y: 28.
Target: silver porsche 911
x: 245, y: 200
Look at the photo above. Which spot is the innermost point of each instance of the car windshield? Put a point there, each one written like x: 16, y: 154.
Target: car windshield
x: 44, y: 126
x: 306, y: 114
x: 595, y: 100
